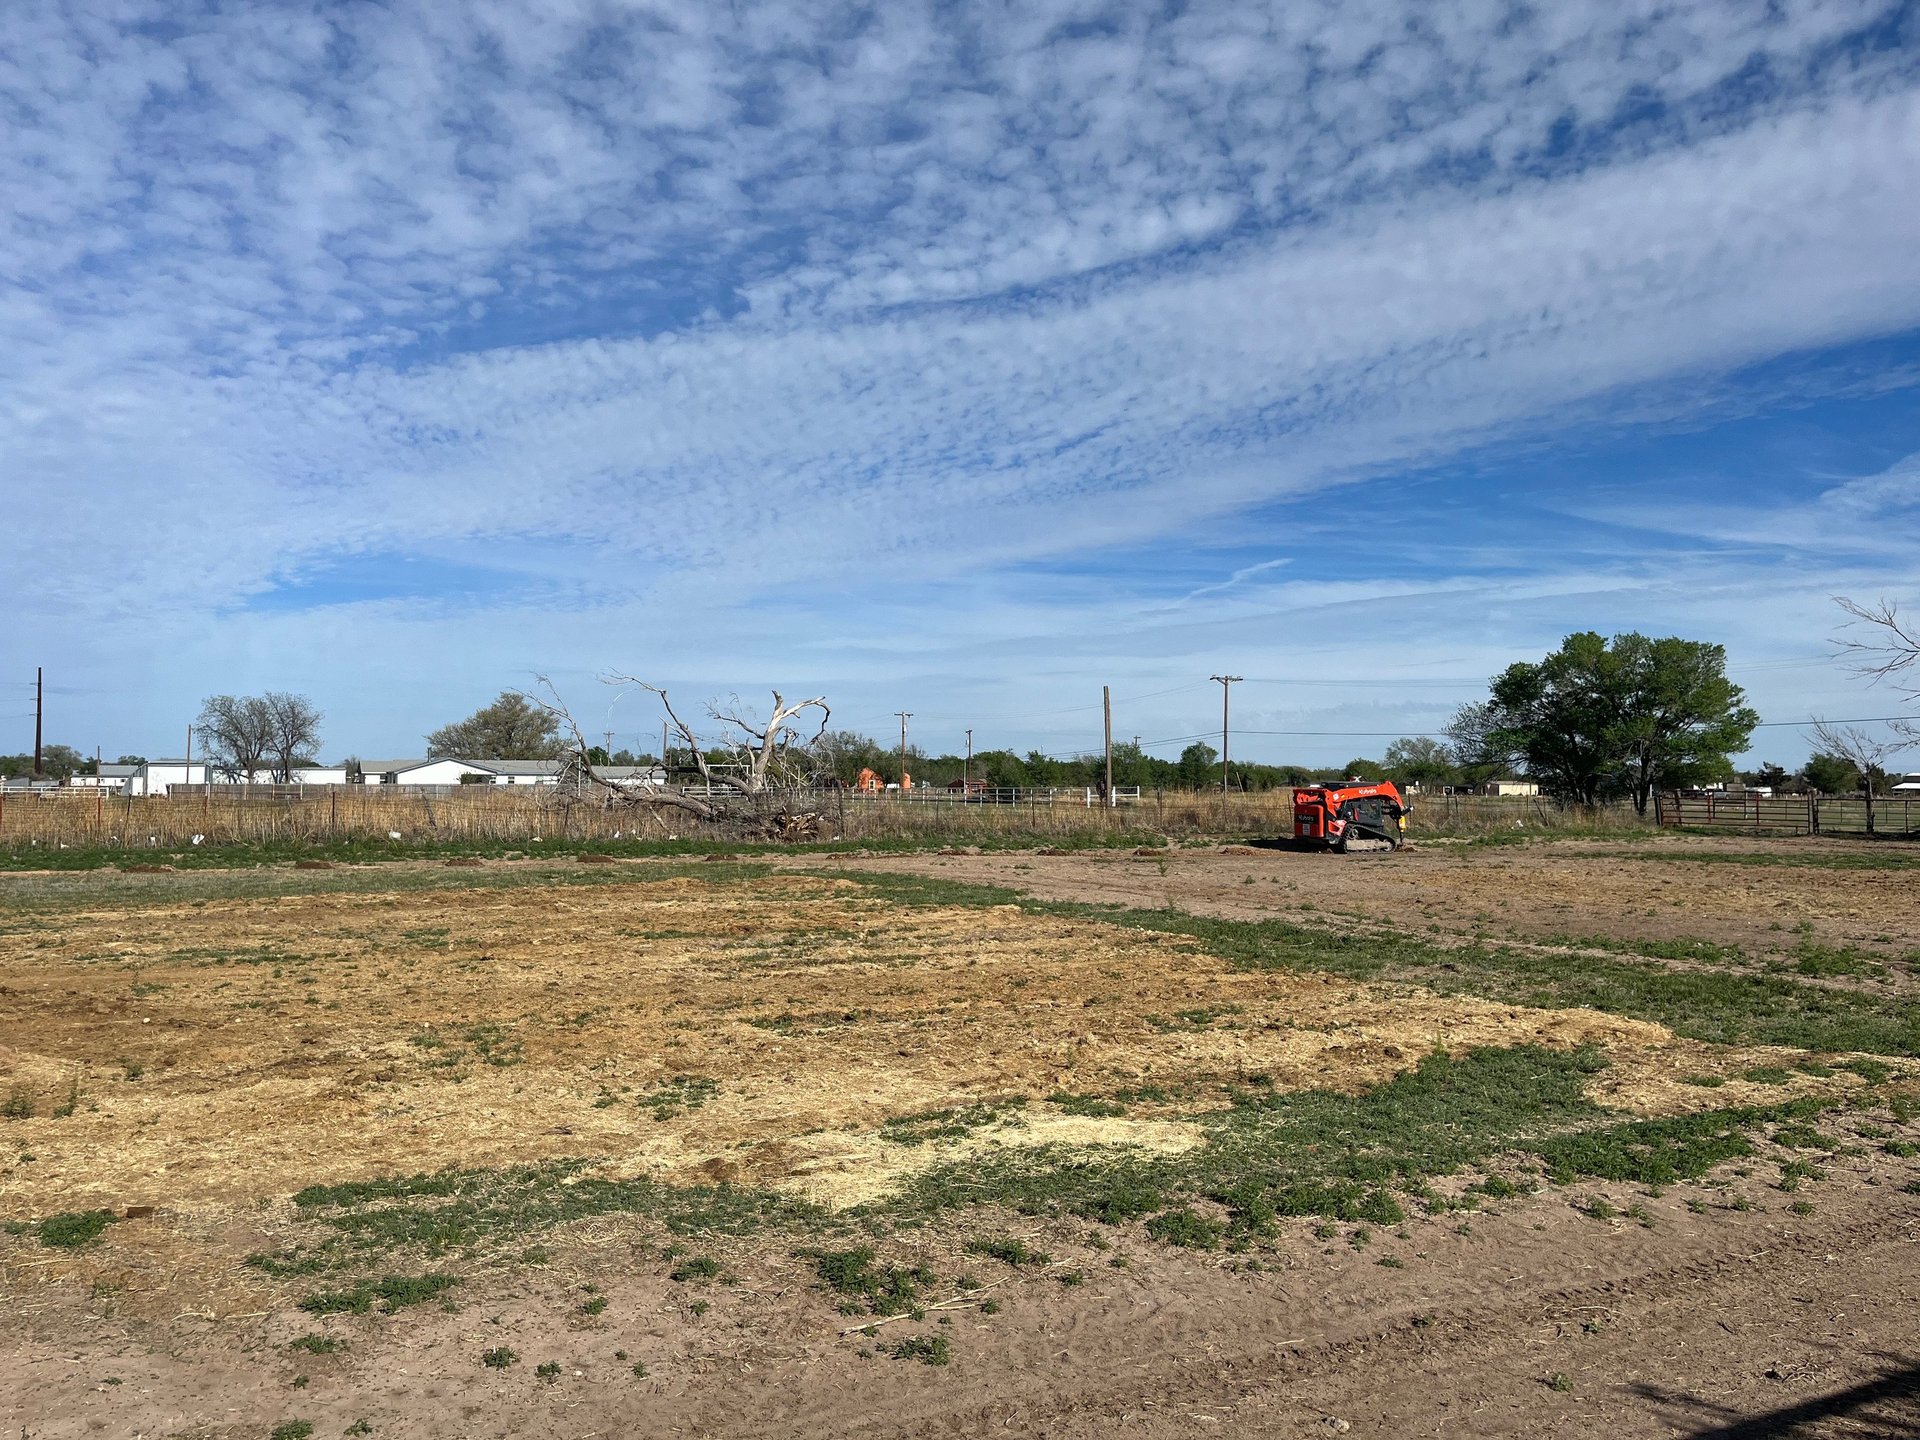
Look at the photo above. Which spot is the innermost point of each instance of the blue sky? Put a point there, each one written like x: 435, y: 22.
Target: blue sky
x: 949, y: 358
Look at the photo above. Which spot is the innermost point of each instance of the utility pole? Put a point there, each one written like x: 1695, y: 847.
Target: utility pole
x: 609, y: 745
x: 905, y: 781
x: 1106, y: 710
x: 966, y: 768
x: 1227, y: 683
x: 39, y: 711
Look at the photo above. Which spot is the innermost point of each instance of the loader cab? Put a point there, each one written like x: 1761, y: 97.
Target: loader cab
x: 1353, y: 813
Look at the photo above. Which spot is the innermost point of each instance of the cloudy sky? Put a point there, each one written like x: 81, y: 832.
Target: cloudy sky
x: 949, y: 358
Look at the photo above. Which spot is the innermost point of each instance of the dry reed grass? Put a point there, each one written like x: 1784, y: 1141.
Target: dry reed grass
x: 336, y: 814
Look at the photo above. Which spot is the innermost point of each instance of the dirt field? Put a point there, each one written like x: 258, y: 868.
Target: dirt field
x: 1185, y: 1143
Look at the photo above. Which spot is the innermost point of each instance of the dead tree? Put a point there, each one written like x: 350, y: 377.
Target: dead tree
x: 1887, y: 651
x: 1865, y: 752
x: 751, y: 793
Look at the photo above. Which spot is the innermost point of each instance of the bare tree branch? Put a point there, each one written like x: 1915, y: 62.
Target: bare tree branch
x: 639, y: 793
x: 1867, y: 752
x: 1888, y: 650
x: 764, y: 772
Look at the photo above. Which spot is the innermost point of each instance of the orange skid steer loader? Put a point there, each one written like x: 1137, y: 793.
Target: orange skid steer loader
x: 1353, y: 815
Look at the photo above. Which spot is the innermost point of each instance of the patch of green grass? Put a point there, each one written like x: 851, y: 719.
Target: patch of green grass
x: 73, y: 1228
x: 885, y: 1289
x: 954, y: 1123
x: 1814, y: 959
x: 456, y: 1212
x: 499, y: 1357
x: 548, y: 1371
x: 1711, y: 1005
x: 1186, y: 1228
x: 318, y: 1344
x: 670, y: 1097
x: 1784, y: 856
x: 1090, y: 1106
x: 292, y: 1430
x: 1007, y: 1250
x: 394, y: 1292
x: 696, y: 1267
x: 1769, y: 1075
x: 1802, y: 1137
x: 927, y: 1349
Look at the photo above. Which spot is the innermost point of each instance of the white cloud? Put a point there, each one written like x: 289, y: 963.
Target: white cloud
x: 843, y: 299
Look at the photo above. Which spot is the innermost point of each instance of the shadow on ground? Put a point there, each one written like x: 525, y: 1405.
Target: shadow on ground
x: 1886, y: 1406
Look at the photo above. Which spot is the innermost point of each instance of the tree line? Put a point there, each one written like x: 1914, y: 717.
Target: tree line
x: 1597, y: 720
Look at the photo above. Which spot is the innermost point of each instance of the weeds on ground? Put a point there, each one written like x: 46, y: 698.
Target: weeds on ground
x: 1709, y: 1005
x: 927, y: 1349
x: 881, y: 1289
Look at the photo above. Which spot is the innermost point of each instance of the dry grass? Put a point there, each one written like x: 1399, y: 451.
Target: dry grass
x: 152, y: 827
x: 771, y: 1030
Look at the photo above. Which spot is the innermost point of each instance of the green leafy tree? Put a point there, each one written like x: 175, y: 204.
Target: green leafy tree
x: 1629, y: 715
x: 1421, y: 760
x: 1364, y: 769
x: 1768, y: 776
x: 511, y: 728
x: 1831, y: 775
x: 1199, y: 766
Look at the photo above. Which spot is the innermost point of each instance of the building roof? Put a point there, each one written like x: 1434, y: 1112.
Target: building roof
x: 518, y: 767
x: 107, y: 772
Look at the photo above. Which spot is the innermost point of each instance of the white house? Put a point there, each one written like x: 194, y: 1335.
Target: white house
x: 632, y: 774
x: 111, y: 777
x: 318, y: 775
x: 521, y: 772
x: 414, y: 772
x: 157, y: 777
x: 1907, y: 784
x: 1510, y: 787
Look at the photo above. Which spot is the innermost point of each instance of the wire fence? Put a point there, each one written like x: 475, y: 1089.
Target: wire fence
x: 319, y: 815
x: 1792, y: 814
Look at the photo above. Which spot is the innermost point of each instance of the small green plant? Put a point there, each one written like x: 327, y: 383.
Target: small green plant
x: 1561, y: 1381
x: 292, y: 1430
x: 1800, y: 1207
x: 1391, y: 1262
x: 19, y: 1102
x: 927, y: 1349
x: 300, y: 1382
x: 1600, y: 1208
x: 699, y: 1308
x: 639, y: 1369
x: 695, y: 1267
x: 1769, y: 1075
x: 318, y: 1344
x: 362, y: 1426
x: 594, y: 1306
x: 548, y: 1371
x: 499, y: 1358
